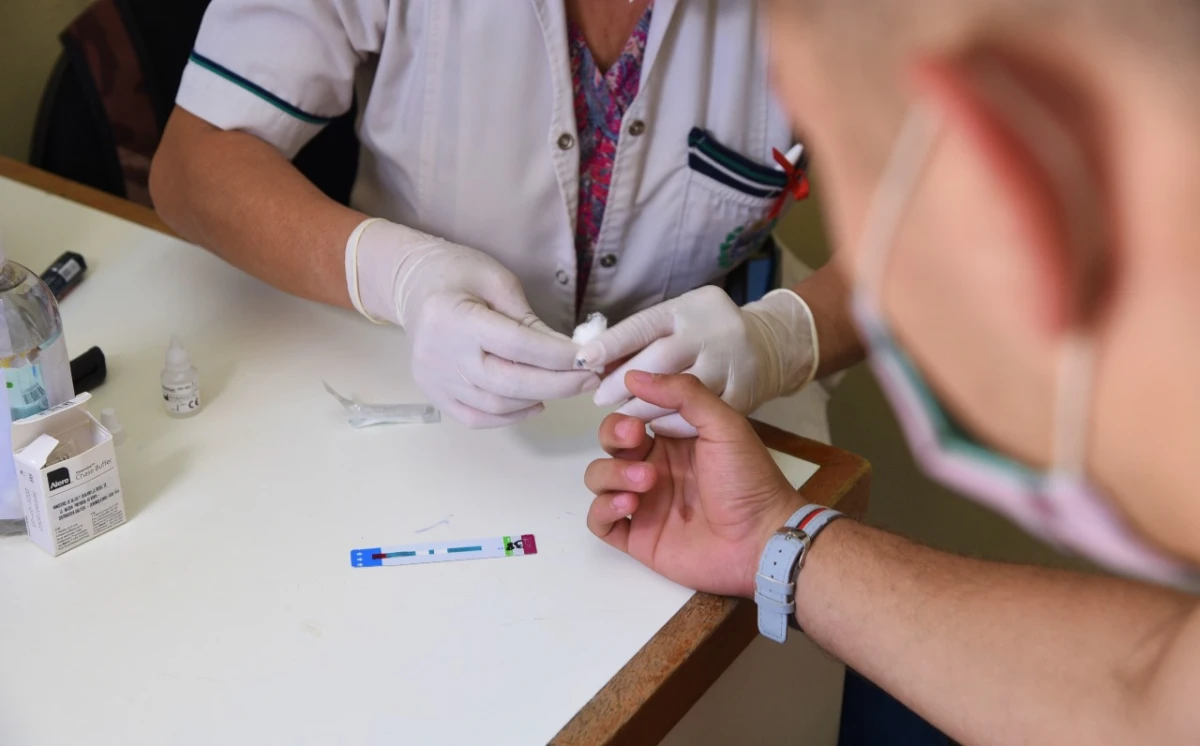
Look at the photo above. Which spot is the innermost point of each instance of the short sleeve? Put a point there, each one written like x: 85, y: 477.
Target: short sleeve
x: 279, y: 69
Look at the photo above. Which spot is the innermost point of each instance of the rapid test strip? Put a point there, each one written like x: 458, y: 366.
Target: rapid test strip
x: 515, y: 545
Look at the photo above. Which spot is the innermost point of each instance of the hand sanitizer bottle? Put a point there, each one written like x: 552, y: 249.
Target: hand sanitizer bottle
x: 35, y: 371
x: 180, y: 382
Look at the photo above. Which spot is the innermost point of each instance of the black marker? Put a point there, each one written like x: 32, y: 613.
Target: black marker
x: 66, y: 272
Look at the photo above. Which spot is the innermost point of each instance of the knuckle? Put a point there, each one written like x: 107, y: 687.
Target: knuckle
x: 466, y: 309
x: 487, y: 404
x: 731, y: 326
x: 474, y: 419
x: 507, y: 283
x: 530, y: 320
x: 424, y: 352
x: 740, y: 398
x: 709, y: 294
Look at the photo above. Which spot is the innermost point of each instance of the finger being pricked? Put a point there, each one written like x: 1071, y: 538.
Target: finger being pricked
x: 696, y: 406
x: 619, y: 475
x: 608, y: 518
x: 625, y: 437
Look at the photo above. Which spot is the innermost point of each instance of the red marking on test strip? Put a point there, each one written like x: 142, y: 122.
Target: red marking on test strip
x: 528, y: 543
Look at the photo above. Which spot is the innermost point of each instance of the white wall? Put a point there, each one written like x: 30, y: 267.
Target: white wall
x: 28, y: 48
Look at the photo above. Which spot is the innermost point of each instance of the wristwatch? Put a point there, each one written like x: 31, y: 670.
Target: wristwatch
x: 782, y: 558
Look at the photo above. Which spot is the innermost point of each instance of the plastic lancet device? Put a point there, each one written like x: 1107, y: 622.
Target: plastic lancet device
x: 359, y: 414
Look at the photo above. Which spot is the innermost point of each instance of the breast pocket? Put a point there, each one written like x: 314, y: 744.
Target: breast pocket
x: 730, y: 207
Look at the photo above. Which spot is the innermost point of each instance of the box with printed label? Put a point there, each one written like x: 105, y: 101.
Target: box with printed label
x: 67, y: 476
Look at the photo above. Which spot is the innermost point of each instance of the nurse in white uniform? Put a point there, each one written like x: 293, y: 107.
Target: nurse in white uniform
x: 524, y: 163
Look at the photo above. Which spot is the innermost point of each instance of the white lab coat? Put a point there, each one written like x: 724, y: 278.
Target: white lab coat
x: 467, y: 125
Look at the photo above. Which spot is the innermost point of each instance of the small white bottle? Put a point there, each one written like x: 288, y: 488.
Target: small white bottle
x: 180, y: 382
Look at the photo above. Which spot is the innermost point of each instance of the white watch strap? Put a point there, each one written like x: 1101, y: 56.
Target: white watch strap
x: 782, y: 558
x: 352, y: 267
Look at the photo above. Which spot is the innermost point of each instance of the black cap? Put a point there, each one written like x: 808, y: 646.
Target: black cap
x: 88, y: 370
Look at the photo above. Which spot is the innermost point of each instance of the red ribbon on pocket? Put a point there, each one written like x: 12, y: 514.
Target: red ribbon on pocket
x: 797, y: 184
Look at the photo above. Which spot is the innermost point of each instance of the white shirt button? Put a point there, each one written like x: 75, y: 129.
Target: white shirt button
x: 608, y: 261
x: 562, y: 277
x: 566, y: 141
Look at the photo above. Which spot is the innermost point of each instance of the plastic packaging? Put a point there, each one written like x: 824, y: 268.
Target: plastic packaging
x: 180, y: 382
x: 108, y: 418
x: 359, y: 414
x: 35, y: 367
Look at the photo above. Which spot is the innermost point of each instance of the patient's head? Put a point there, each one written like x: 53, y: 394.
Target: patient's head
x: 1064, y: 191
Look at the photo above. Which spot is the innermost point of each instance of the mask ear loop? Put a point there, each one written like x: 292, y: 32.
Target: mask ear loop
x: 1066, y: 165
x: 893, y: 195
x: 1073, y: 401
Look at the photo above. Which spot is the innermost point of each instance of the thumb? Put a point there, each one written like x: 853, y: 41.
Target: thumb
x: 713, y: 419
x: 506, y: 296
x: 533, y: 322
x: 502, y: 291
x: 626, y: 338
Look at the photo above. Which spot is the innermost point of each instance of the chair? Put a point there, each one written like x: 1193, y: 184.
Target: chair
x: 112, y: 89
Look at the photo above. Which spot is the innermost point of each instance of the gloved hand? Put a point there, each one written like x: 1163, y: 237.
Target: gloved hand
x: 478, y: 351
x: 747, y: 356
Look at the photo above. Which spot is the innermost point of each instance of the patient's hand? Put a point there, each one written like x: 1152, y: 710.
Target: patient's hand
x: 698, y: 511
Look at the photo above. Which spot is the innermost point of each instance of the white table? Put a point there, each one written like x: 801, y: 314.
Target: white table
x: 226, y: 611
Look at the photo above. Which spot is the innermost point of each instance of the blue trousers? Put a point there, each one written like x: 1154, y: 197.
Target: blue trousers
x: 872, y: 717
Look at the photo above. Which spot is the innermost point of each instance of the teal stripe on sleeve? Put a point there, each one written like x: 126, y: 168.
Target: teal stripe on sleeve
x: 257, y: 90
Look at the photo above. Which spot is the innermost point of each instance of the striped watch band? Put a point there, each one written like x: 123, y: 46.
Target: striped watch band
x: 782, y: 558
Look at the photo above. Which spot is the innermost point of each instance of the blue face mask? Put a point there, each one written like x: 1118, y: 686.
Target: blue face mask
x: 1058, y: 505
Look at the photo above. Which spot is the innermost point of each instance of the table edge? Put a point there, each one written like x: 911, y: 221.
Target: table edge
x: 87, y: 196
x: 669, y: 674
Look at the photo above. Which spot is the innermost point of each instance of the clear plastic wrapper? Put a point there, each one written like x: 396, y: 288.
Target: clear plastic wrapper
x: 360, y: 414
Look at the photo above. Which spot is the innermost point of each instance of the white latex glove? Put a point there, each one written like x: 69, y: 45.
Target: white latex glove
x: 478, y: 351
x: 747, y: 356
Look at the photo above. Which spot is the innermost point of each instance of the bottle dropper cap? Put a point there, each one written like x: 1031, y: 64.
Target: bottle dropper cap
x: 177, y: 357
x: 108, y: 418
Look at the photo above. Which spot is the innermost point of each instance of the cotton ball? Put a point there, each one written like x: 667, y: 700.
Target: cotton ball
x: 587, y: 331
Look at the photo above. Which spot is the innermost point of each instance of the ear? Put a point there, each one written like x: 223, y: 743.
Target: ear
x: 1023, y: 135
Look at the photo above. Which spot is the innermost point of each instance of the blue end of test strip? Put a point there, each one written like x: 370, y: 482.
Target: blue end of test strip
x: 366, y: 557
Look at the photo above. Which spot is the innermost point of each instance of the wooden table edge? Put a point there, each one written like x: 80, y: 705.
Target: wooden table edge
x: 656, y: 688
x: 83, y: 194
